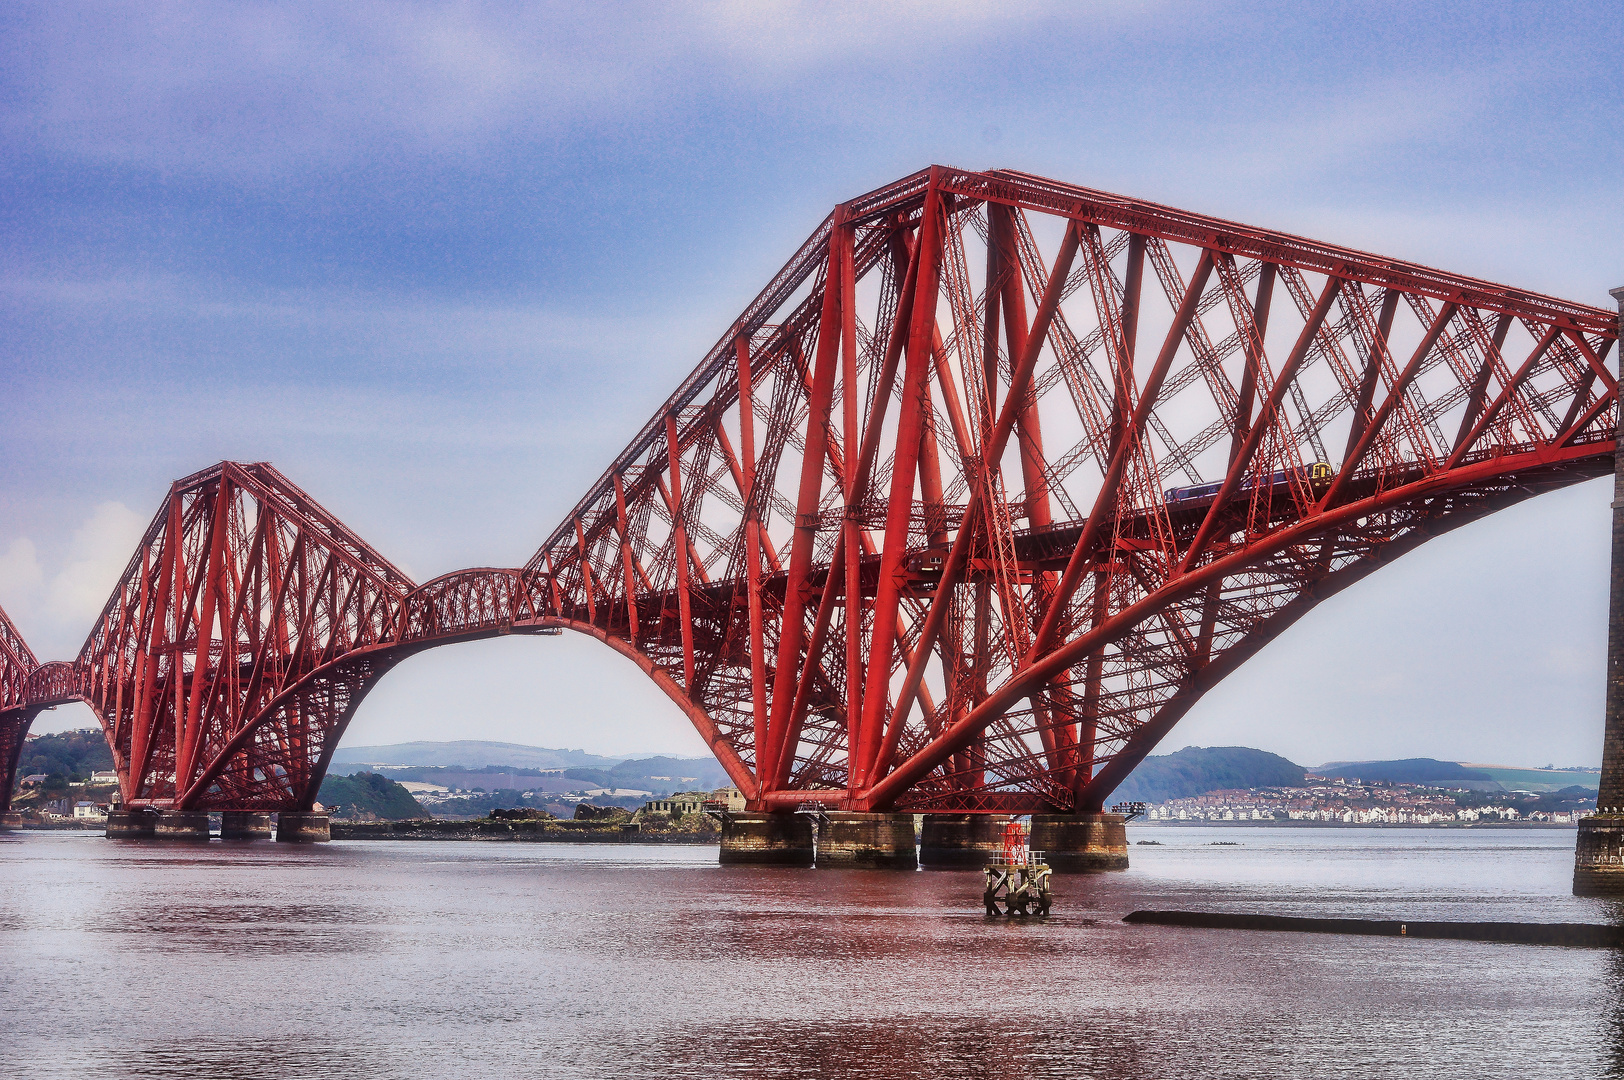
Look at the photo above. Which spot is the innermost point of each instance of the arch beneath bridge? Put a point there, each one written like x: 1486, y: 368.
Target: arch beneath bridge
x: 431, y: 620
x: 380, y: 661
x: 852, y: 547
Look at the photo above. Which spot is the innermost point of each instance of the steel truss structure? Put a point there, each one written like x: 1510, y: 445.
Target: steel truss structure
x: 989, y: 485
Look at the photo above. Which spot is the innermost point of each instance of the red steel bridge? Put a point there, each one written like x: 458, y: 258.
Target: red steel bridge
x: 973, y: 502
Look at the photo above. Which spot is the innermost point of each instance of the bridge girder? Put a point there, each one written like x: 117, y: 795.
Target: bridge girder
x: 994, y: 479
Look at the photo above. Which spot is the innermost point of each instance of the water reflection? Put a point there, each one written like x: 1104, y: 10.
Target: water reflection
x: 237, y: 928
x: 473, y: 960
x: 226, y: 1058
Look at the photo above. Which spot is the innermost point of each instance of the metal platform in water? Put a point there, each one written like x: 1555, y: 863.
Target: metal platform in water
x: 1017, y: 877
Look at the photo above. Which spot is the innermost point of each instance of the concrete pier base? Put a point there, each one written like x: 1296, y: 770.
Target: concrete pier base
x: 244, y: 825
x: 1081, y: 843
x: 181, y: 825
x: 869, y: 841
x: 303, y: 827
x: 10, y: 818
x: 960, y: 841
x: 131, y: 824
x: 1598, y: 862
x: 766, y: 840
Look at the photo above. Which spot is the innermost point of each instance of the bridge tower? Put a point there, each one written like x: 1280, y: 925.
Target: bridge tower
x: 1598, y: 858
x: 973, y: 502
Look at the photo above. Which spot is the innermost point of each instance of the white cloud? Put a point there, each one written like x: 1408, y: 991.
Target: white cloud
x: 357, y: 324
x: 100, y: 551
x: 271, y: 88
x: 54, y: 604
x: 20, y: 575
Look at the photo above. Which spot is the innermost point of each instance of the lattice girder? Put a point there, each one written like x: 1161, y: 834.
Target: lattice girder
x: 966, y: 509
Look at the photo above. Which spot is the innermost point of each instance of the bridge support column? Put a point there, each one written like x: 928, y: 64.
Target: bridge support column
x: 181, y: 825
x: 131, y: 824
x: 960, y: 841
x: 1598, y: 858
x: 766, y: 840
x: 10, y: 818
x: 1081, y: 843
x: 869, y: 841
x: 303, y: 827
x: 244, y: 825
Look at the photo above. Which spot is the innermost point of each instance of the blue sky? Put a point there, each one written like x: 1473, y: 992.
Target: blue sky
x: 439, y: 262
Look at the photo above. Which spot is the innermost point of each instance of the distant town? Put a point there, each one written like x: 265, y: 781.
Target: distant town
x: 66, y: 780
x: 1350, y: 802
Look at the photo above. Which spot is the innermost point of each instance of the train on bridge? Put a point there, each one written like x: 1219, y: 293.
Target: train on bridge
x: 1315, y: 477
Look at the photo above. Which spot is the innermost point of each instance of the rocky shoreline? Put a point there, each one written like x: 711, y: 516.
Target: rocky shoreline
x: 557, y: 832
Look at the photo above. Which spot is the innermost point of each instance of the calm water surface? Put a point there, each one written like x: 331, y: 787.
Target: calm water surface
x: 358, y: 960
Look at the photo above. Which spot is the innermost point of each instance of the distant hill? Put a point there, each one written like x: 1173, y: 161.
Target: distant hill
x: 1192, y: 771
x: 1432, y: 772
x: 472, y: 754
x: 662, y: 774
x: 1540, y: 780
x: 1197, y: 770
x: 490, y: 778
x: 704, y: 773
x: 1419, y: 770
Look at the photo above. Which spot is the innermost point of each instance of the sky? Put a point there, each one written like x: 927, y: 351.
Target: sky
x: 439, y: 263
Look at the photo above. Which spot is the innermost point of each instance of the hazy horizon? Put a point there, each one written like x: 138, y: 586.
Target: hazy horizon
x: 345, y: 755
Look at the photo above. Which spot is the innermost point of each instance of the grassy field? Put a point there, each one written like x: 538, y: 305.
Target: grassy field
x: 1537, y: 779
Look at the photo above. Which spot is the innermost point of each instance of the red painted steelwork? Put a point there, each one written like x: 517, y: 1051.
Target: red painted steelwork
x: 17, y: 663
x: 905, y: 538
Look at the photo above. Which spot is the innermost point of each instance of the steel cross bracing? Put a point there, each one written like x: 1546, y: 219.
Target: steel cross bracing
x: 994, y: 480
x: 16, y: 664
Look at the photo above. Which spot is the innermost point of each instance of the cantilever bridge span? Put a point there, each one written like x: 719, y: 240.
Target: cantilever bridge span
x: 972, y: 503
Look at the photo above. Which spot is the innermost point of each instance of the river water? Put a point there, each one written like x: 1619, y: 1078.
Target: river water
x: 378, y: 959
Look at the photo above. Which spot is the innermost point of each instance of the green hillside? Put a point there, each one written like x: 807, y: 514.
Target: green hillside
x: 369, y: 793
x: 67, y: 755
x: 1197, y: 770
x: 1405, y: 771
x: 1539, y: 779
x: 1435, y: 773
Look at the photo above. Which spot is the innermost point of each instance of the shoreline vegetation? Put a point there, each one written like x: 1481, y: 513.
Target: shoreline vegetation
x: 526, y: 831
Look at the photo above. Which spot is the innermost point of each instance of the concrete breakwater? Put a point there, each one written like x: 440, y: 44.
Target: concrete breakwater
x: 1574, y: 935
x: 21, y: 824
x: 558, y: 832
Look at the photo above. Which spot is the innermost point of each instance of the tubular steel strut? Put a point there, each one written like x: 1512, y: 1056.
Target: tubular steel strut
x: 926, y: 530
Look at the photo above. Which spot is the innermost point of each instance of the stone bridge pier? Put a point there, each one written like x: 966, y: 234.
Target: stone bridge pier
x: 1598, y: 859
